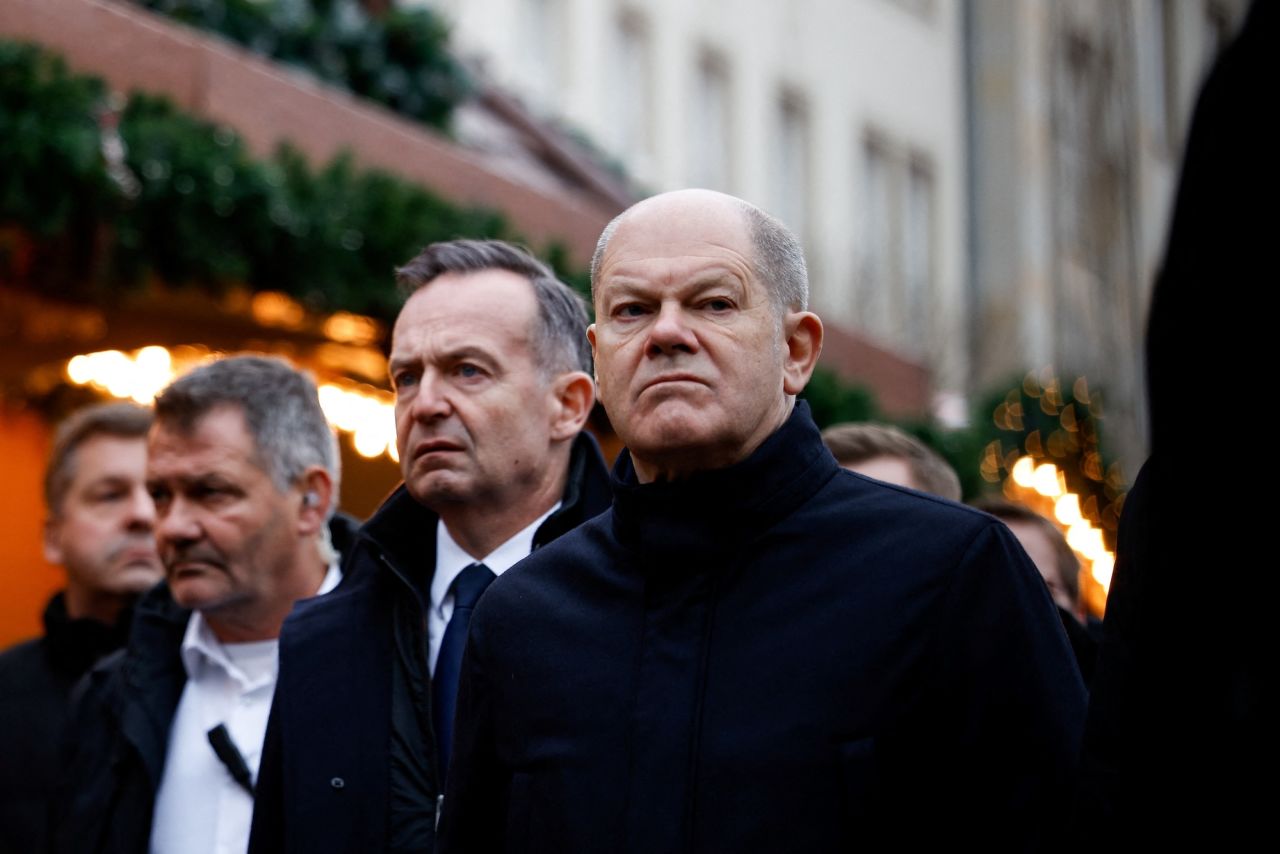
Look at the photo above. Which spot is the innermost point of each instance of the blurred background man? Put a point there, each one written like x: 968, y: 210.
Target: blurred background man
x: 887, y: 453
x: 100, y: 529
x: 1060, y: 569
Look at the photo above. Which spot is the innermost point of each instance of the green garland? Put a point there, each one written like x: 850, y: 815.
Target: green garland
x: 50, y: 149
x: 399, y: 59
x: 191, y: 206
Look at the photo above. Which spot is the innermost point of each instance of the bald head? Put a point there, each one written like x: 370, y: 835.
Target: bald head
x: 777, y: 258
x: 698, y: 353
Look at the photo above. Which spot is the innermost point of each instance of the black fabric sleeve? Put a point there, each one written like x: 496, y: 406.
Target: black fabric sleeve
x: 993, y: 736
x: 88, y: 748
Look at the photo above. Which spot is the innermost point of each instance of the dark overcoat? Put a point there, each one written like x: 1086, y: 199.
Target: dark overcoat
x: 777, y: 656
x: 36, y: 679
x: 349, y: 762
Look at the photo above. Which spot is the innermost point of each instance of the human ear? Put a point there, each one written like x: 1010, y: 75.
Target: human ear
x: 317, y: 497
x: 803, y: 343
x: 52, y: 543
x: 573, y: 395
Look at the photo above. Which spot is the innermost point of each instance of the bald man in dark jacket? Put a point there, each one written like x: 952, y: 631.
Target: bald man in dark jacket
x: 753, y: 650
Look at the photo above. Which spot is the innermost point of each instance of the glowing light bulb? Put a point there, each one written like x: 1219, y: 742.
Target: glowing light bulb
x: 1067, y: 509
x: 1102, y: 568
x: 80, y: 370
x: 1024, y: 472
x: 1046, y: 480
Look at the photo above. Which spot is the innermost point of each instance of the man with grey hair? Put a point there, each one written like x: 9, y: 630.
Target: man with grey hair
x: 888, y: 454
x: 243, y: 469
x: 492, y: 376
x: 753, y: 650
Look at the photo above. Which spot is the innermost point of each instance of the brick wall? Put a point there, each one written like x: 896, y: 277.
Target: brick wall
x: 132, y: 48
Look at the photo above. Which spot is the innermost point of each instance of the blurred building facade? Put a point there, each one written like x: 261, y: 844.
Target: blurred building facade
x: 843, y: 118
x: 1077, y: 117
x: 981, y: 185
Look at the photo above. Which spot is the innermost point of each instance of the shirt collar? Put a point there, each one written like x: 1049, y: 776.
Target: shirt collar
x: 201, y: 648
x: 451, y: 558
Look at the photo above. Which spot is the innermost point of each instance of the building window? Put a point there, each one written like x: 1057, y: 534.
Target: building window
x: 923, y: 9
x: 918, y: 248
x: 632, y: 92
x: 791, y: 165
x: 899, y: 247
x: 1156, y: 73
x: 880, y: 251
x: 710, y: 162
x: 1076, y: 127
x: 541, y: 48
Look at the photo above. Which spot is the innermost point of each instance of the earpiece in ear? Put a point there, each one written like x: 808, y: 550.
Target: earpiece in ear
x: 310, y: 498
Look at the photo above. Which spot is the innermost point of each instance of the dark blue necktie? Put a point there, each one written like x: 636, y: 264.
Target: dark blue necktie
x: 467, y: 587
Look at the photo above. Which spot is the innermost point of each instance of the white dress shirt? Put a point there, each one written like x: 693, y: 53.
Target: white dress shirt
x: 451, y: 559
x: 199, y: 808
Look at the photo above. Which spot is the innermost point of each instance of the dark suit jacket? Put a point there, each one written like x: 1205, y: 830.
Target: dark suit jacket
x: 349, y: 760
x: 778, y: 656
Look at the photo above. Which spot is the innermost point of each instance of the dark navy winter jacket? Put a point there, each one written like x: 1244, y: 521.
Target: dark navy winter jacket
x: 777, y: 656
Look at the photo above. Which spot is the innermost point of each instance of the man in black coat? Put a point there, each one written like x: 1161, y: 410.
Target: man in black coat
x: 755, y: 650
x: 1180, y: 729
x: 100, y: 529
x: 491, y: 371
x: 243, y: 469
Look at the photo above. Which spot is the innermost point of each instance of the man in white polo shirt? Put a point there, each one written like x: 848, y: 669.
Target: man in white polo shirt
x: 243, y: 469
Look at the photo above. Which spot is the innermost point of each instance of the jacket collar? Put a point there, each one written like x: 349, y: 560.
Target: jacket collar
x: 586, y: 491
x: 721, y: 509
x: 342, y: 533
x: 404, y: 531
x: 153, y: 675
x: 73, y: 645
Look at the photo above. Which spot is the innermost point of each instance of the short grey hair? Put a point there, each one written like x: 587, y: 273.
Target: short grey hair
x: 778, y: 257
x: 560, y: 333
x: 281, y: 410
